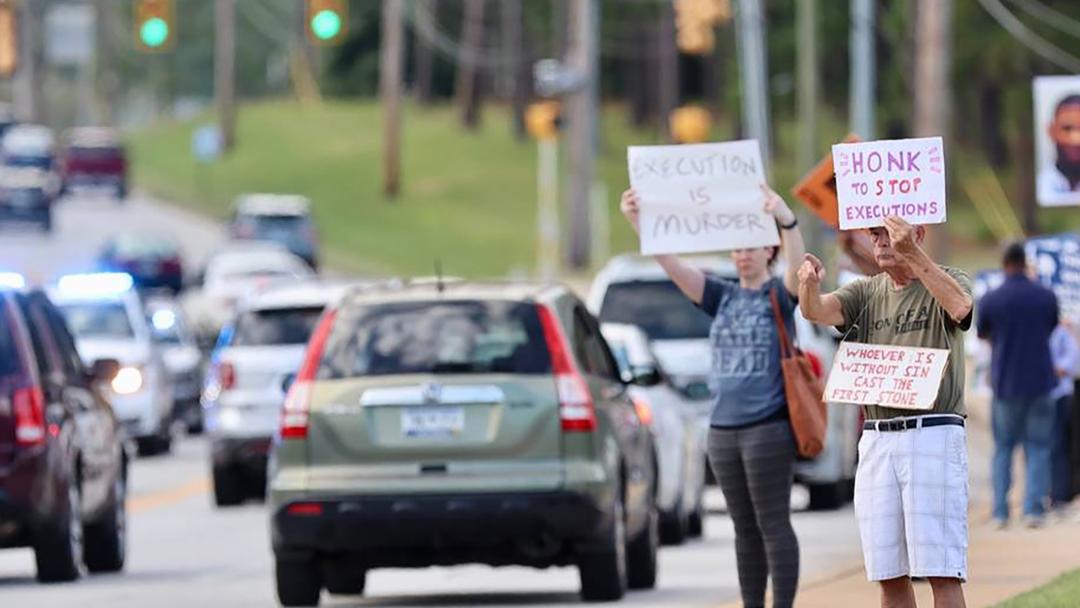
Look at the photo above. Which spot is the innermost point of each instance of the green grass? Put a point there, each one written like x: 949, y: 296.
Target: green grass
x: 1062, y: 592
x: 468, y: 199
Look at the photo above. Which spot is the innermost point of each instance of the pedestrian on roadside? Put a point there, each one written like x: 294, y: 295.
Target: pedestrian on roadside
x: 1017, y: 319
x: 911, y: 485
x: 1065, y: 354
x: 751, y: 446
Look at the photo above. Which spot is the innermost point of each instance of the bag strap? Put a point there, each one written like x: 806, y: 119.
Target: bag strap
x: 787, y: 349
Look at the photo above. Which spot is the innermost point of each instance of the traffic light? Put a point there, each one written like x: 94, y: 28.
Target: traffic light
x: 327, y: 21
x: 9, y: 41
x: 690, y: 125
x: 155, y: 25
x: 694, y: 23
x: 542, y: 119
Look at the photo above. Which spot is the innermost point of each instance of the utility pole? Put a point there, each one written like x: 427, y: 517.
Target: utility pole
x: 515, y: 51
x: 749, y: 20
x: 807, y: 58
x: 933, y: 96
x: 669, y: 69
x: 582, y: 57
x: 468, y: 70
x: 425, y: 56
x: 863, y: 76
x: 224, y: 70
x: 105, y: 82
x: 390, y: 60
x: 28, y: 91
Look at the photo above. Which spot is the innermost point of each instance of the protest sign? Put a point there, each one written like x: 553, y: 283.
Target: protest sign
x: 817, y: 189
x: 890, y: 376
x: 1057, y: 265
x: 701, y: 197
x: 891, y: 177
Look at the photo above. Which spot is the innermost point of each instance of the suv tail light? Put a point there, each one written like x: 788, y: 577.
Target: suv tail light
x: 294, y: 412
x: 28, y: 405
x: 226, y: 375
x: 576, y: 410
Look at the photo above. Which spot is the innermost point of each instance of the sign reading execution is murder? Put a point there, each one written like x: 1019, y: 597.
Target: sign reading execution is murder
x: 702, y: 197
x: 891, y: 376
x: 892, y: 177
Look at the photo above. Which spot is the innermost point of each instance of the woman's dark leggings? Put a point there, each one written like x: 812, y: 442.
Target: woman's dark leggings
x: 755, y: 469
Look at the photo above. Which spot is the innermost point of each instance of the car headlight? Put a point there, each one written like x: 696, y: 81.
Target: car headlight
x: 127, y: 381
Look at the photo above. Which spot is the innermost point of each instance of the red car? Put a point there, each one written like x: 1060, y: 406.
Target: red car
x: 94, y: 157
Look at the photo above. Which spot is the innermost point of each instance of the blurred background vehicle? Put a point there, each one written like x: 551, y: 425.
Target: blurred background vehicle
x: 498, y: 403
x: 153, y: 259
x: 107, y: 318
x: 183, y: 359
x: 26, y: 194
x: 256, y: 358
x: 7, y: 117
x: 284, y: 219
x: 32, y: 146
x: 94, y: 158
x: 63, y: 468
x: 230, y: 274
x: 635, y: 290
x: 677, y: 433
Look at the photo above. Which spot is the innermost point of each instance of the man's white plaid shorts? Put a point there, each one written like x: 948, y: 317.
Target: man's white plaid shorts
x: 911, y: 500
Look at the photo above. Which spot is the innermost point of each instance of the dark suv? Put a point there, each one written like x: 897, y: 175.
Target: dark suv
x: 62, y: 463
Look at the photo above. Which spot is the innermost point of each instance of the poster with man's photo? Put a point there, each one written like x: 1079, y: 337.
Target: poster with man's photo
x: 1057, y: 137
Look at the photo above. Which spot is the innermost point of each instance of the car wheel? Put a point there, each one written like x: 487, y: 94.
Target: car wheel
x: 826, y: 496
x: 228, y: 486
x: 155, y: 444
x: 603, y: 573
x: 298, y: 582
x: 342, y: 577
x: 674, y: 525
x: 106, y: 540
x: 641, y: 554
x: 58, y: 550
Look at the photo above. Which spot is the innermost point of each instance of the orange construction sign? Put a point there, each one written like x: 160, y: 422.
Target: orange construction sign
x: 817, y: 189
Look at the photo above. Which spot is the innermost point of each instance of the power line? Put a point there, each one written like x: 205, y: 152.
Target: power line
x: 1037, y: 44
x: 1050, y: 16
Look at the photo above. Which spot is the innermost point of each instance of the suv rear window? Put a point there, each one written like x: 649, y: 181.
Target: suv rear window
x: 657, y: 307
x: 451, y: 337
x: 9, y: 351
x: 278, y: 326
x: 269, y: 225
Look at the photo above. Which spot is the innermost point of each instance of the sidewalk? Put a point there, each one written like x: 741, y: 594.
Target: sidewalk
x: 1001, y: 564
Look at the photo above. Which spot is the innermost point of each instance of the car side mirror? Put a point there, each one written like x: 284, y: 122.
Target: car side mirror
x: 645, y: 375
x: 287, y: 383
x: 104, y: 370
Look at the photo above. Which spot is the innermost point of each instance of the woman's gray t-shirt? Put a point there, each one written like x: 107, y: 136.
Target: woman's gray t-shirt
x: 746, y: 377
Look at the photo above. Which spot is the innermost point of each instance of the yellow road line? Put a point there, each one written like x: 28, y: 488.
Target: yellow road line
x: 168, y: 497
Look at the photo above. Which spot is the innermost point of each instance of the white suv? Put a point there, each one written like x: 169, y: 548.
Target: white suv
x: 255, y: 360
x: 635, y: 290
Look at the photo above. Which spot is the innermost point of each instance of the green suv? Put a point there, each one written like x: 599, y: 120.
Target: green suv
x: 440, y: 424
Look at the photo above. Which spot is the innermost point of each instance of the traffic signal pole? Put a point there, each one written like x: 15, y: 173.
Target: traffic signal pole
x: 224, y: 70
x: 750, y: 24
x: 582, y: 56
x: 390, y: 72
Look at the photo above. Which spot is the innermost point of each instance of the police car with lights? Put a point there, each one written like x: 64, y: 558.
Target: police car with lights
x: 107, y: 318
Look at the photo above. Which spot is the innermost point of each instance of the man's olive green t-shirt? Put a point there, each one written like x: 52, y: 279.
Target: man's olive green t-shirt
x: 877, y: 312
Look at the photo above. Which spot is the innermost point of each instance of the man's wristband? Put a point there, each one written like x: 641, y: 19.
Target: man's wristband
x: 794, y: 223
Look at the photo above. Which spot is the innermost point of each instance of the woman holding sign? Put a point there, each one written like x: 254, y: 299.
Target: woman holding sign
x: 751, y: 447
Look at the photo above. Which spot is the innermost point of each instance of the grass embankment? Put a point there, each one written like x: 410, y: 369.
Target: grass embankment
x: 468, y: 199
x: 1062, y: 592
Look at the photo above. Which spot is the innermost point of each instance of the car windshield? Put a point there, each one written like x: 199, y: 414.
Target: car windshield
x: 142, y: 247
x: 98, y: 320
x: 93, y: 153
x: 278, y: 326
x: 657, y: 307
x: 9, y: 354
x: 457, y: 337
x: 34, y: 161
x: 269, y: 226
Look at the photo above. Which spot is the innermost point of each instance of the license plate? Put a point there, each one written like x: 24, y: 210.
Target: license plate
x: 432, y: 422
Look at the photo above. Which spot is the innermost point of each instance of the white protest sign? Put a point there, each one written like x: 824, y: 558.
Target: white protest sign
x: 701, y: 197
x: 891, y: 376
x: 901, y: 177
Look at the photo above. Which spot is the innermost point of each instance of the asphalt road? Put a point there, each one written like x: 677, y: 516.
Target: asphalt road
x: 184, y: 552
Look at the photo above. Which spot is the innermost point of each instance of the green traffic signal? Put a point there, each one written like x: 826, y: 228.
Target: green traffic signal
x: 154, y: 32
x: 326, y: 24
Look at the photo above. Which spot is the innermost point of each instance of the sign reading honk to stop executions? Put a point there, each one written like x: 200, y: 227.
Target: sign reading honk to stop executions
x: 891, y: 177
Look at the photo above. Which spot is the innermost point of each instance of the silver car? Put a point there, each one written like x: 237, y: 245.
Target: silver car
x: 678, y: 433
x: 183, y: 359
x: 635, y: 290
x: 250, y: 370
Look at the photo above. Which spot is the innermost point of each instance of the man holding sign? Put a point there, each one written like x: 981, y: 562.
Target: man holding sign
x: 908, y: 371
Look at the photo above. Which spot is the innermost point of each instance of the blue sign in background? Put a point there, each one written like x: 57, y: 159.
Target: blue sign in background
x: 1056, y: 260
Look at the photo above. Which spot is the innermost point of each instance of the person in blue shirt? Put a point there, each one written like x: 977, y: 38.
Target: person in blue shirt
x: 751, y: 445
x: 1018, y: 318
x: 1065, y: 353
